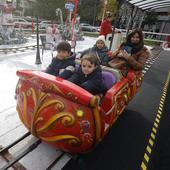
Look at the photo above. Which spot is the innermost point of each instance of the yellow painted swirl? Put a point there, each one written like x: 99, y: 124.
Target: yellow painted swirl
x: 66, y: 119
x: 72, y: 140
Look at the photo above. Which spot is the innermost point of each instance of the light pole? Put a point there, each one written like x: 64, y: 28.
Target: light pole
x: 38, y: 59
x: 60, y: 14
x: 94, y: 16
x: 104, y: 9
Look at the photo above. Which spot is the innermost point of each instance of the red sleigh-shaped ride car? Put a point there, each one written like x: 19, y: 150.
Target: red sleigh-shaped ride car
x: 66, y: 116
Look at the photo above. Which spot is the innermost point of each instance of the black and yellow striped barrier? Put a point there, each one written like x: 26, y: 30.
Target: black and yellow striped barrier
x: 149, y: 147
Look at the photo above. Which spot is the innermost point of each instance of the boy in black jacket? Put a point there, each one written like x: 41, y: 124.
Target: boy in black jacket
x: 63, y: 65
x: 89, y: 75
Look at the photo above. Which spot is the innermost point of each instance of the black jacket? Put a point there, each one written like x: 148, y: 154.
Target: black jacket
x: 102, y: 54
x: 62, y: 68
x: 93, y: 82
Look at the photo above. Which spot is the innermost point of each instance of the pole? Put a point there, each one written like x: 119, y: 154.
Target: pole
x: 74, y: 19
x: 94, y: 16
x: 114, y: 27
x: 132, y: 15
x: 33, y: 26
x: 105, y: 3
x: 73, y: 39
x: 113, y: 31
x: 38, y: 60
x: 141, y: 19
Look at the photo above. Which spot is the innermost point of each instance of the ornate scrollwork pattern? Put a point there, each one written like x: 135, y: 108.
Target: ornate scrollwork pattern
x: 71, y: 96
x: 72, y: 140
x: 37, y: 124
x: 53, y: 87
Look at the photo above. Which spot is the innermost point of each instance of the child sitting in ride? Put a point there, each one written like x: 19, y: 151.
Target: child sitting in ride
x: 63, y: 65
x: 132, y: 54
x: 166, y: 44
x: 100, y: 49
x: 89, y: 75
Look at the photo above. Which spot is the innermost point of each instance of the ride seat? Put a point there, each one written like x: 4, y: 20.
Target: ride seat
x: 117, y: 73
x: 109, y: 79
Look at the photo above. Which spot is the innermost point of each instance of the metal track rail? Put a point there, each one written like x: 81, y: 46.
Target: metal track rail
x: 155, y: 55
x: 12, y: 162
x: 10, y: 159
x: 16, y: 49
x: 17, y: 158
x: 14, y: 143
x: 55, y: 161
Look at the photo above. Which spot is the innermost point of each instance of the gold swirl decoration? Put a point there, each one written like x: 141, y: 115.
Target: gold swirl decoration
x: 134, y: 88
x: 20, y: 114
x: 66, y: 120
x: 53, y: 87
x: 129, y: 93
x: 98, y: 128
x: 123, y: 95
x: 71, y: 96
x: 122, y: 100
x: 139, y: 81
x: 119, y: 101
x: 41, y: 102
x: 72, y: 140
x: 30, y: 92
x: 34, y: 80
x: 44, y: 85
x: 114, y: 105
x: 23, y: 113
x: 41, y: 105
x: 126, y: 98
x: 94, y: 101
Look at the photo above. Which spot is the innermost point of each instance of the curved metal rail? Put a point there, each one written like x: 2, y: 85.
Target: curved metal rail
x: 12, y: 161
x: 16, y: 49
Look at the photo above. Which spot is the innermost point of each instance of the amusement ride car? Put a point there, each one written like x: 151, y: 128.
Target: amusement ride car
x: 68, y: 117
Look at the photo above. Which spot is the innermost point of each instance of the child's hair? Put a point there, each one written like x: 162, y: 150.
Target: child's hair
x: 91, y: 57
x: 64, y: 46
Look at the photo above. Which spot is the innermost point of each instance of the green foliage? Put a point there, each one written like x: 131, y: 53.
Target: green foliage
x: 151, y: 43
x: 89, y: 10
x: 47, y: 8
x: 112, y: 6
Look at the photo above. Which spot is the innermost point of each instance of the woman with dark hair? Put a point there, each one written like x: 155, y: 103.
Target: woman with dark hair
x: 132, y: 54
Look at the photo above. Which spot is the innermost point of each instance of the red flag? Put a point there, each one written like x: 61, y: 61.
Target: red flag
x: 33, y: 25
x: 74, y: 19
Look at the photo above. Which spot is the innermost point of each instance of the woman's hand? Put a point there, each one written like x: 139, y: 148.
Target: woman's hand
x: 112, y: 54
x: 124, y: 54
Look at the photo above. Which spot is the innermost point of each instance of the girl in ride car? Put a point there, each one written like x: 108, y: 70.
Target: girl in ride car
x: 100, y: 50
x: 89, y: 75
